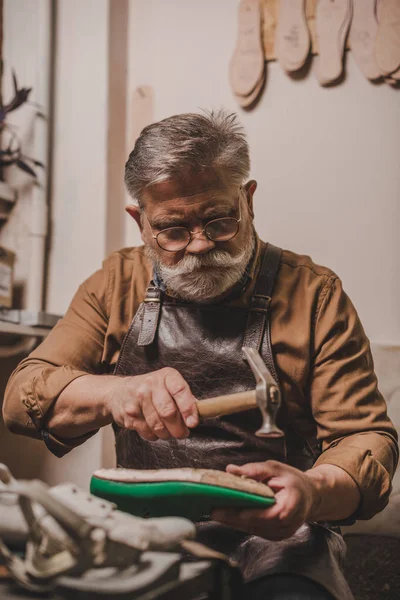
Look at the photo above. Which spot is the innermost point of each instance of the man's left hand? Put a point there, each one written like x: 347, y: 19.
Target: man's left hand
x: 295, y: 497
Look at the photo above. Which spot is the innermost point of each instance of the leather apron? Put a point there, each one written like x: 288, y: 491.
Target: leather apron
x: 204, y: 343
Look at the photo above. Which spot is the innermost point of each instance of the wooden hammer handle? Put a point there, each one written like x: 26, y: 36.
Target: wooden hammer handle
x: 227, y: 405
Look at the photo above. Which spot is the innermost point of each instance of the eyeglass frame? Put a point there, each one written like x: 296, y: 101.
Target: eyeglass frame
x: 193, y: 233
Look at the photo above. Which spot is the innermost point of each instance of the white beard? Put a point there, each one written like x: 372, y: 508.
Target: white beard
x: 205, y: 277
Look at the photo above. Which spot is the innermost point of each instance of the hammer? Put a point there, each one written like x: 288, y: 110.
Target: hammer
x: 266, y: 397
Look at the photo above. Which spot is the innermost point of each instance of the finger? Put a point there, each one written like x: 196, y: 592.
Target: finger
x: 246, y: 520
x: 231, y: 517
x: 180, y: 391
x: 248, y: 529
x: 169, y: 413
x: 132, y: 414
x: 286, y: 512
x: 247, y: 515
x: 260, y: 471
x: 139, y: 425
x: 292, y: 506
x: 153, y: 421
x: 146, y: 433
x: 272, y: 529
x: 270, y: 513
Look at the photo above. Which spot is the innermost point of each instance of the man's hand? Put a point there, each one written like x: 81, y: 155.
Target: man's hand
x: 295, y: 496
x: 158, y: 405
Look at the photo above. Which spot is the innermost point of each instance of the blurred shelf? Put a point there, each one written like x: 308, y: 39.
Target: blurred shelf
x: 23, y: 330
x: 7, y: 193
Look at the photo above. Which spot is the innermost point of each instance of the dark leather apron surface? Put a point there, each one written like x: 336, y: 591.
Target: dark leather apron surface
x: 204, y: 343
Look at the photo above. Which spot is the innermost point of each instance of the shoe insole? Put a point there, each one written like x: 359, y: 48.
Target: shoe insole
x: 247, y: 63
x: 362, y: 36
x: 387, y: 45
x: 250, y: 100
x: 332, y: 22
x: 189, y: 493
x: 395, y: 76
x: 292, y: 38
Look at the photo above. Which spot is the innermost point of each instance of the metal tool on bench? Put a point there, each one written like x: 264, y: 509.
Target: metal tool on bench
x: 84, y: 548
x: 266, y: 396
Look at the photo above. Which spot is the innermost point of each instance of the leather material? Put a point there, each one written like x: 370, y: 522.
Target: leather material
x: 261, y: 299
x: 204, y: 343
x: 313, y: 551
x: 209, y: 356
x: 215, y: 442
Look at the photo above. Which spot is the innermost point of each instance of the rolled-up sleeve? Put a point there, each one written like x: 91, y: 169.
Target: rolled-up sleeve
x: 72, y: 349
x: 350, y: 412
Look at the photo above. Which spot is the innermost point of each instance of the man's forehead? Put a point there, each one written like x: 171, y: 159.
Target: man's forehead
x: 190, y: 190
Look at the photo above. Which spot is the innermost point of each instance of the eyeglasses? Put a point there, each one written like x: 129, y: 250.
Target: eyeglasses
x: 174, y: 239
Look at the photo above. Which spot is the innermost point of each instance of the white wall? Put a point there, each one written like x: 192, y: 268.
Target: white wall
x: 326, y: 160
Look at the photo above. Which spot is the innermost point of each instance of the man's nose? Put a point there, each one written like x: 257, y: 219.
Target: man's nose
x: 200, y: 244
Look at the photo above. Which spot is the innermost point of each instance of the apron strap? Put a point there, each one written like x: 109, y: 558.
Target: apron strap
x: 151, y: 314
x: 261, y: 299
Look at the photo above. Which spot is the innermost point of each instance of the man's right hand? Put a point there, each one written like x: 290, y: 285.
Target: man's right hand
x: 158, y: 405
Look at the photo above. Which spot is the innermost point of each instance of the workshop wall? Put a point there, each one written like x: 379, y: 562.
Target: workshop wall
x: 80, y: 147
x: 326, y: 159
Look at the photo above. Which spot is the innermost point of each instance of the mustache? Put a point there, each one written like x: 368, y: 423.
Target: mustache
x: 218, y: 259
x: 189, y: 279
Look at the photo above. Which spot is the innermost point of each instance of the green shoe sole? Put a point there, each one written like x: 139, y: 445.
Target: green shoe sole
x: 193, y: 501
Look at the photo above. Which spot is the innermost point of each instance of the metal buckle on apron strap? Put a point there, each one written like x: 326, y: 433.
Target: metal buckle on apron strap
x: 151, y: 314
x: 260, y: 302
x: 152, y: 294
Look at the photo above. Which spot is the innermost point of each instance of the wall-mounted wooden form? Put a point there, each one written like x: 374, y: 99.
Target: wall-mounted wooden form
x: 270, y: 20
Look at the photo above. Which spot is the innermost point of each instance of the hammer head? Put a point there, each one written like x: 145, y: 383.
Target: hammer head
x: 267, y: 392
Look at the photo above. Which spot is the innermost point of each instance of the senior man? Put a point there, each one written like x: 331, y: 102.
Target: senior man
x: 172, y: 316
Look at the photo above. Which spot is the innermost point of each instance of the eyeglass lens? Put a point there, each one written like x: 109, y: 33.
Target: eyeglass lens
x: 177, y: 238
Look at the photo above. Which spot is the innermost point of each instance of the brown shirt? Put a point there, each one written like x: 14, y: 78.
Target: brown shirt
x: 322, y: 355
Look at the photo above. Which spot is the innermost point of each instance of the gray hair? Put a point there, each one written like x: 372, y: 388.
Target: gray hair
x: 185, y: 144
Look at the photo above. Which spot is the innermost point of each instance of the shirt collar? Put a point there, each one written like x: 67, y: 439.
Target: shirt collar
x: 158, y: 282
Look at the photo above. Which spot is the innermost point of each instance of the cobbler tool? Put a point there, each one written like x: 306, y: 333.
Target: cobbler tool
x: 266, y: 396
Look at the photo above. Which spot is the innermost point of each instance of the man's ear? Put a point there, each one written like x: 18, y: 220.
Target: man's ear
x: 250, y: 188
x: 134, y: 212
